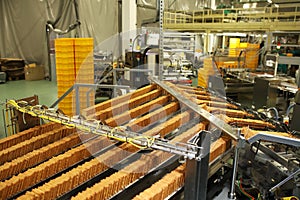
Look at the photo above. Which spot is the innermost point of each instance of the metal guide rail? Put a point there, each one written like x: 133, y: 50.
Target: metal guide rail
x: 208, y: 116
x: 190, y: 151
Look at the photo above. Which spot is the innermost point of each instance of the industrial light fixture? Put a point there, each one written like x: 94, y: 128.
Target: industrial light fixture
x: 232, y: 34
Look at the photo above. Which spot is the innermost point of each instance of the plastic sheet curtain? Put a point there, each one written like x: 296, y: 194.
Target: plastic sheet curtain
x: 147, y: 12
x: 23, y: 27
x: 99, y: 19
x: 23, y: 24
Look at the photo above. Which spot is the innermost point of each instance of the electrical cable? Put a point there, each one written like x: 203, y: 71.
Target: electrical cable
x: 41, y: 112
x: 96, y: 127
x: 243, y: 191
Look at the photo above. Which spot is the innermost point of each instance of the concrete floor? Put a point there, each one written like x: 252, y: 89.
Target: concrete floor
x: 45, y: 90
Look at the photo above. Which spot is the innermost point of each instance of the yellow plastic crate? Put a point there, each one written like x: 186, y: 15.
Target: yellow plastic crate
x: 61, y: 89
x: 64, y: 48
x: 65, y: 54
x: 87, y: 67
x: 64, y: 41
x: 243, y: 45
x: 60, y: 62
x: 84, y: 41
x: 64, y: 72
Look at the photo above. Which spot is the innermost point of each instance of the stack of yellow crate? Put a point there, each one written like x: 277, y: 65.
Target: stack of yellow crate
x: 243, y: 45
x: 74, y: 64
x: 85, y: 69
x: 204, y: 73
x: 252, y: 55
x: 234, y: 45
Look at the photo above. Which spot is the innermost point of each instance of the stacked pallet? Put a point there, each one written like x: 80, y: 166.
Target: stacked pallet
x: 74, y: 64
x: 13, y: 68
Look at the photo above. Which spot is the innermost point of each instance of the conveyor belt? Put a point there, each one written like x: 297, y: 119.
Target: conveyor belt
x: 61, y: 166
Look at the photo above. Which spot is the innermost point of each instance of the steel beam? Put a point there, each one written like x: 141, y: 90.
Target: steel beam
x: 197, y: 170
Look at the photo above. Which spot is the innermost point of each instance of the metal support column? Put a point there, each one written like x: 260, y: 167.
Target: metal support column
x: 223, y: 42
x: 161, y: 40
x: 232, y: 194
x: 77, y: 99
x: 206, y: 43
x: 276, y: 64
x: 114, y: 82
x: 269, y: 41
x: 197, y: 171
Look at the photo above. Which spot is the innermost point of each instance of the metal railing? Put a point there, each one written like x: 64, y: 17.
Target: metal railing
x: 235, y: 15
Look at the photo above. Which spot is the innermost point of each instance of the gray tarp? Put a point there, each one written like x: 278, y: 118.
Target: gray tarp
x: 23, y: 24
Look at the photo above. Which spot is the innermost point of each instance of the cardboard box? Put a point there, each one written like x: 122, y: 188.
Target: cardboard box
x: 34, y: 72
